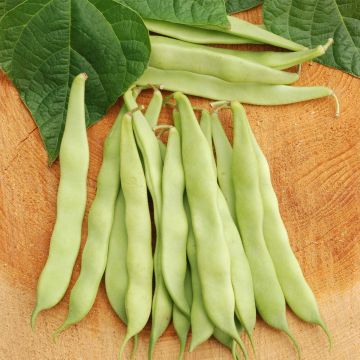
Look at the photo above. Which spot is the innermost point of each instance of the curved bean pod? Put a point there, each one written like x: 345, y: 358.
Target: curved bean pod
x: 223, y: 150
x: 174, y: 226
x: 194, y: 34
x: 244, y: 29
x: 213, y: 88
x: 269, y: 297
x: 182, y: 322
x: 201, y: 326
x: 71, y: 201
x: 297, y: 292
x: 116, y: 277
x: 139, y: 261
x: 241, y: 279
x: 149, y: 147
x: 100, y: 220
x: 276, y: 59
x: 170, y: 54
x: 212, y: 253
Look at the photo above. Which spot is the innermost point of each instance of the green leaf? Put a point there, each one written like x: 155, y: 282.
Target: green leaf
x: 6, y: 5
x: 234, y: 6
x: 191, y: 12
x: 311, y: 23
x: 45, y: 43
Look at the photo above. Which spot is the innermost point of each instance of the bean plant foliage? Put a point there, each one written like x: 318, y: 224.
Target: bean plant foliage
x: 45, y: 43
x: 311, y: 23
x: 192, y: 12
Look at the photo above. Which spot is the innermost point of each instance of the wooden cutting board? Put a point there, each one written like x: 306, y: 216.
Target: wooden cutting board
x: 315, y: 164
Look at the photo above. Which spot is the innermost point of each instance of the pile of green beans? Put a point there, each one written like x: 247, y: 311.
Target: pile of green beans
x: 182, y: 60
x: 221, y: 252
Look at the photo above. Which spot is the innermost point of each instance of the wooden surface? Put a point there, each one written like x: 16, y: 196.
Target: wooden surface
x: 315, y: 163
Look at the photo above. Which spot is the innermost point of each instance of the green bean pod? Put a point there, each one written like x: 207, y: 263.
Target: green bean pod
x: 297, y: 292
x: 116, y: 279
x: 71, y: 201
x: 212, y: 253
x: 180, y: 320
x: 245, y: 308
x: 170, y: 54
x: 244, y: 29
x: 149, y: 147
x: 139, y: 261
x: 174, y: 226
x: 223, y: 150
x: 241, y: 278
x: 214, y: 88
x: 116, y: 276
x: 201, y: 326
x: 276, y: 59
x: 269, y: 297
x: 194, y: 34
x: 100, y: 220
x: 153, y: 110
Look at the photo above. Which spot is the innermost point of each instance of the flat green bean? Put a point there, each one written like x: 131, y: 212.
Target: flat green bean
x: 100, y: 220
x: 149, y: 147
x: 174, y: 226
x: 182, y: 322
x: 71, y: 201
x: 116, y: 279
x: 171, y: 54
x: 201, y: 326
x: 297, y: 292
x: 217, y: 89
x: 139, y: 262
x: 241, y: 279
x: 269, y: 297
x: 116, y: 276
x: 212, y: 253
x: 194, y: 34
x: 223, y: 150
x: 244, y: 29
x: 276, y: 59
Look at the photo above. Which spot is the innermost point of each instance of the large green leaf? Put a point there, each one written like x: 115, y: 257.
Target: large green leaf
x: 191, y: 12
x: 234, y: 6
x: 311, y: 23
x: 45, y: 43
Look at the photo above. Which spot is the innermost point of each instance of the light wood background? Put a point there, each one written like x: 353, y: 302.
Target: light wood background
x: 315, y: 163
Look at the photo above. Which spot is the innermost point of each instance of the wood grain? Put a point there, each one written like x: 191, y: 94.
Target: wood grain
x: 315, y: 164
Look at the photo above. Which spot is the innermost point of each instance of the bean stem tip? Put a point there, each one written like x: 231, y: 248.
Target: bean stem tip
x: 337, y: 102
